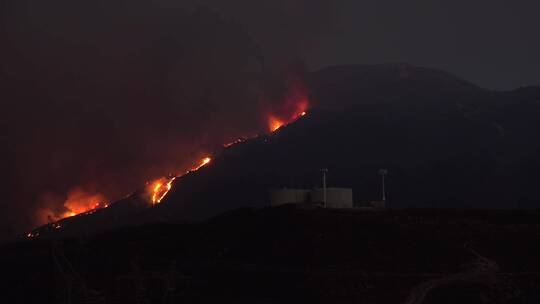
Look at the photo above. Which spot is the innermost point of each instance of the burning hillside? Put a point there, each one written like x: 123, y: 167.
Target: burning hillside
x: 423, y: 150
x: 160, y: 187
x: 295, y: 105
x: 152, y: 93
x: 82, y: 202
x: 78, y: 201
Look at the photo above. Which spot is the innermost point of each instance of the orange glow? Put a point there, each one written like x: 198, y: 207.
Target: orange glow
x: 293, y: 113
x: 161, y: 187
x: 293, y: 107
x: 274, y: 123
x: 80, y: 201
x: 205, y: 161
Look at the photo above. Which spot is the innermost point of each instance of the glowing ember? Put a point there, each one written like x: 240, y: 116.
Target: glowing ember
x: 239, y: 140
x: 31, y: 235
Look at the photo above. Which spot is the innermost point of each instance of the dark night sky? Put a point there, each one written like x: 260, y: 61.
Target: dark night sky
x: 106, y: 94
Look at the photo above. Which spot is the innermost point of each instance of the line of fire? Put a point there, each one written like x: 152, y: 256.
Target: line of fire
x: 156, y: 191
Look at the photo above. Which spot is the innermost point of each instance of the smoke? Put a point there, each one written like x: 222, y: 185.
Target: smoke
x: 100, y: 96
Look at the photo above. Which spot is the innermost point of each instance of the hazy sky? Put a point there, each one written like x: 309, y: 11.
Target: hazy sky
x: 493, y: 43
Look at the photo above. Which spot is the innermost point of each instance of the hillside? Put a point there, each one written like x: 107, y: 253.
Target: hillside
x: 286, y: 255
x: 445, y: 142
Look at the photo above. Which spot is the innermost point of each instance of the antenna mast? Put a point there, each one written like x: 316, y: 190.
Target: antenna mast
x: 383, y: 173
x: 324, y: 171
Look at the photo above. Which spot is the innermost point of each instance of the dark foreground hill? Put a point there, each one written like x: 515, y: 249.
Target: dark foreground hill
x: 287, y: 255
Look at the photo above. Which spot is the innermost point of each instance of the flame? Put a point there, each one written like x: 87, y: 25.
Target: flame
x: 161, y: 187
x: 293, y: 107
x: 293, y: 113
x: 79, y: 201
x: 160, y: 190
x: 274, y: 123
x: 205, y: 161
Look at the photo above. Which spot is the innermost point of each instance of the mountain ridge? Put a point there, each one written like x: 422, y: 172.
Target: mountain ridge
x: 447, y: 145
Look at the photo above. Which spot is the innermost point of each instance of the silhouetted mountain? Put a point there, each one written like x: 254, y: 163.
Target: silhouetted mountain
x: 447, y: 144
x: 353, y: 85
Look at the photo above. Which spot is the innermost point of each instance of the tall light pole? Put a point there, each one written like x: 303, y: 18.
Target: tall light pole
x: 383, y: 173
x: 324, y: 171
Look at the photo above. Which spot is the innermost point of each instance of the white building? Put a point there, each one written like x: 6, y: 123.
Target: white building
x: 335, y: 197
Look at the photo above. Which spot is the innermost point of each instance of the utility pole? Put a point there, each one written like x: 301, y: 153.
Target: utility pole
x: 383, y: 173
x: 324, y: 171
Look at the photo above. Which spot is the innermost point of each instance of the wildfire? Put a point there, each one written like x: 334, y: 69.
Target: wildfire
x: 205, y: 161
x: 162, y: 186
x: 275, y: 123
x: 79, y: 201
x: 295, y: 107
